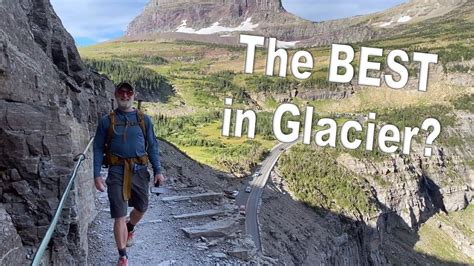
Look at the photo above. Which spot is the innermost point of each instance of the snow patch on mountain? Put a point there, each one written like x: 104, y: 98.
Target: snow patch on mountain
x: 246, y: 25
x: 404, y: 19
x: 385, y: 24
x: 286, y: 45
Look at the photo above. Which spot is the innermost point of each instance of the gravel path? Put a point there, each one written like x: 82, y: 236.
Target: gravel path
x: 159, y: 238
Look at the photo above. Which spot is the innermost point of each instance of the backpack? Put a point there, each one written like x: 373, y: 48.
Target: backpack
x: 110, y: 133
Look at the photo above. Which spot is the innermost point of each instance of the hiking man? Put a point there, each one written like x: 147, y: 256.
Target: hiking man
x: 125, y: 141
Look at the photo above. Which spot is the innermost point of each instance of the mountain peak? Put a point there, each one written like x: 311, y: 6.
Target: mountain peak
x: 172, y: 15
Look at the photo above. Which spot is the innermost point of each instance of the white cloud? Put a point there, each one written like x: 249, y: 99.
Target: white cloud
x: 97, y: 20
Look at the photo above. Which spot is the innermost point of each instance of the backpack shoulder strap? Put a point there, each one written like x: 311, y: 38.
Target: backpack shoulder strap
x: 141, y: 122
x: 110, y: 131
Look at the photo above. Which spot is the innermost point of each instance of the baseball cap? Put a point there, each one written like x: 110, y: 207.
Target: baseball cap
x: 125, y: 85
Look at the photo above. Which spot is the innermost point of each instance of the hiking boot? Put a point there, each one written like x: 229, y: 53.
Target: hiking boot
x: 123, y: 261
x: 130, y: 238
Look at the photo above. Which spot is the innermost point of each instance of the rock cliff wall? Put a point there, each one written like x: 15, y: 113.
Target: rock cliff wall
x: 49, y: 104
x: 408, y: 190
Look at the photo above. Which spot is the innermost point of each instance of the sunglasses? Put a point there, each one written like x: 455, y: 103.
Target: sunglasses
x: 123, y: 93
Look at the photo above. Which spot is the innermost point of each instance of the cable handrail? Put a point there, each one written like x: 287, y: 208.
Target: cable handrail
x: 44, y: 243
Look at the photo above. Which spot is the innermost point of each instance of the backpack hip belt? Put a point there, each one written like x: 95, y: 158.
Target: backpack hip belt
x: 128, y: 171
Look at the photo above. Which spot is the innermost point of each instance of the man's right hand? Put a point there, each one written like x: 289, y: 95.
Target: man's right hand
x: 99, y: 183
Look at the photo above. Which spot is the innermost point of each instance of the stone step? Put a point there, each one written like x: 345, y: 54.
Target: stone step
x: 200, y: 214
x: 214, y: 229
x: 203, y: 196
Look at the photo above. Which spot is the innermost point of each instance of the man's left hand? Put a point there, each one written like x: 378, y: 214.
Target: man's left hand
x: 159, y: 180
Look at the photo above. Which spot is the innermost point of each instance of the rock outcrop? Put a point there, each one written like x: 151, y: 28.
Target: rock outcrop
x: 49, y: 105
x: 415, y: 187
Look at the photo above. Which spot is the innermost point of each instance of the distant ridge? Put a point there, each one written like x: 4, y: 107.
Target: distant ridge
x: 221, y: 21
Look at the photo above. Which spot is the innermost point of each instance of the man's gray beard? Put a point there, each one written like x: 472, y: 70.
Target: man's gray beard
x: 124, y: 105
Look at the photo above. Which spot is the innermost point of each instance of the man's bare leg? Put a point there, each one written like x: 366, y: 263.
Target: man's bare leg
x: 120, y: 233
x: 136, y: 216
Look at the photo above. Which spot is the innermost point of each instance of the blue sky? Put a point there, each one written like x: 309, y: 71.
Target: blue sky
x: 93, y: 21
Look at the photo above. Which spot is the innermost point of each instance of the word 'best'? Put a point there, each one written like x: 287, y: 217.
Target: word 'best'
x: 302, y: 62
